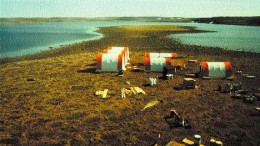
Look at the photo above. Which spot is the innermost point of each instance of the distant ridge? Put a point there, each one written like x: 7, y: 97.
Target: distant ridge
x: 252, y: 21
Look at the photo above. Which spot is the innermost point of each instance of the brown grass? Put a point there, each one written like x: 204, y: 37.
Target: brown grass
x: 49, y: 111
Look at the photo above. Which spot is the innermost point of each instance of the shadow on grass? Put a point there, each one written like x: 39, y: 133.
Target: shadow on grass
x: 92, y: 64
x: 88, y: 70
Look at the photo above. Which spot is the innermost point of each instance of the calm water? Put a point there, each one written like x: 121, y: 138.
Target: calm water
x: 21, y: 39
x: 231, y: 37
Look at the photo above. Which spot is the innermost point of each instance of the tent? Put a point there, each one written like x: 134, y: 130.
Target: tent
x: 155, y: 64
x: 215, y: 69
x: 110, y: 62
x: 118, y: 50
x: 160, y: 55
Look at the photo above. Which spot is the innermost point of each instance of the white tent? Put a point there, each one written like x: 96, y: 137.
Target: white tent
x: 155, y: 64
x: 160, y: 55
x: 215, y: 69
x: 110, y: 62
x: 119, y: 50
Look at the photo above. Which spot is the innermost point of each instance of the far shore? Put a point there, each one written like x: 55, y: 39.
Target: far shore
x: 249, y: 21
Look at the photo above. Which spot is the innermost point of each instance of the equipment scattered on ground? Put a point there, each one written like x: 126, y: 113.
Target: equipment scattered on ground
x: 250, y: 77
x: 197, y: 139
x: 102, y: 93
x: 192, y: 61
x: 120, y: 72
x: 190, y: 75
x: 195, y: 142
x: 131, y: 91
x: 237, y: 96
x: 150, y: 104
x: 152, y: 81
x: 244, y: 95
x: 188, y: 83
x: 249, y: 98
x: 239, y: 72
x: 124, y: 92
x: 192, y: 66
x: 136, y: 69
x: 174, y: 120
x: 188, y: 142
x: 174, y: 143
x: 178, y: 62
x: 231, y: 78
x: 168, y: 72
x: 214, y: 142
x: 229, y: 87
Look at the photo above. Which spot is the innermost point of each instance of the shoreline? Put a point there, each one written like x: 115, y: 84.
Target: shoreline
x: 49, y: 98
x: 65, y: 48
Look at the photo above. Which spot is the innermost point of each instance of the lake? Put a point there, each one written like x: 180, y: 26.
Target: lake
x: 230, y: 37
x: 21, y: 39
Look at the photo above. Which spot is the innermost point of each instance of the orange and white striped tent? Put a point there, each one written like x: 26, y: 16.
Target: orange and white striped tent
x: 215, y: 69
x: 112, y: 59
x: 154, y: 62
x: 160, y: 55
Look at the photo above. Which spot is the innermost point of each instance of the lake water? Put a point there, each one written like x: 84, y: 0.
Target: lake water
x: 231, y: 37
x: 21, y: 39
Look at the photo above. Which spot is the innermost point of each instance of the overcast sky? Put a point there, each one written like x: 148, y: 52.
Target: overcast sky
x: 104, y: 8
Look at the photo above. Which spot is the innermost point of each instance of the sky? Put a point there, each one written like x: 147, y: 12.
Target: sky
x: 125, y: 8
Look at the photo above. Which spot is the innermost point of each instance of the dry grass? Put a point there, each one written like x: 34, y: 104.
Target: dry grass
x: 154, y: 28
x: 58, y: 106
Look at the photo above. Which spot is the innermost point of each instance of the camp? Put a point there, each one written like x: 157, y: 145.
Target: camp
x: 155, y: 64
x: 215, y: 69
x: 159, y: 55
x: 110, y: 62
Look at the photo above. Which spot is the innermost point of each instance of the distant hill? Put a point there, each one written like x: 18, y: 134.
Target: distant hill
x: 40, y: 20
x: 253, y: 21
x: 80, y: 19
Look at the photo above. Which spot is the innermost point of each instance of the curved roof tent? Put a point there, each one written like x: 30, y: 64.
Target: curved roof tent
x: 110, y: 62
x: 155, y: 64
x: 118, y: 49
x: 158, y: 55
x: 215, y: 69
